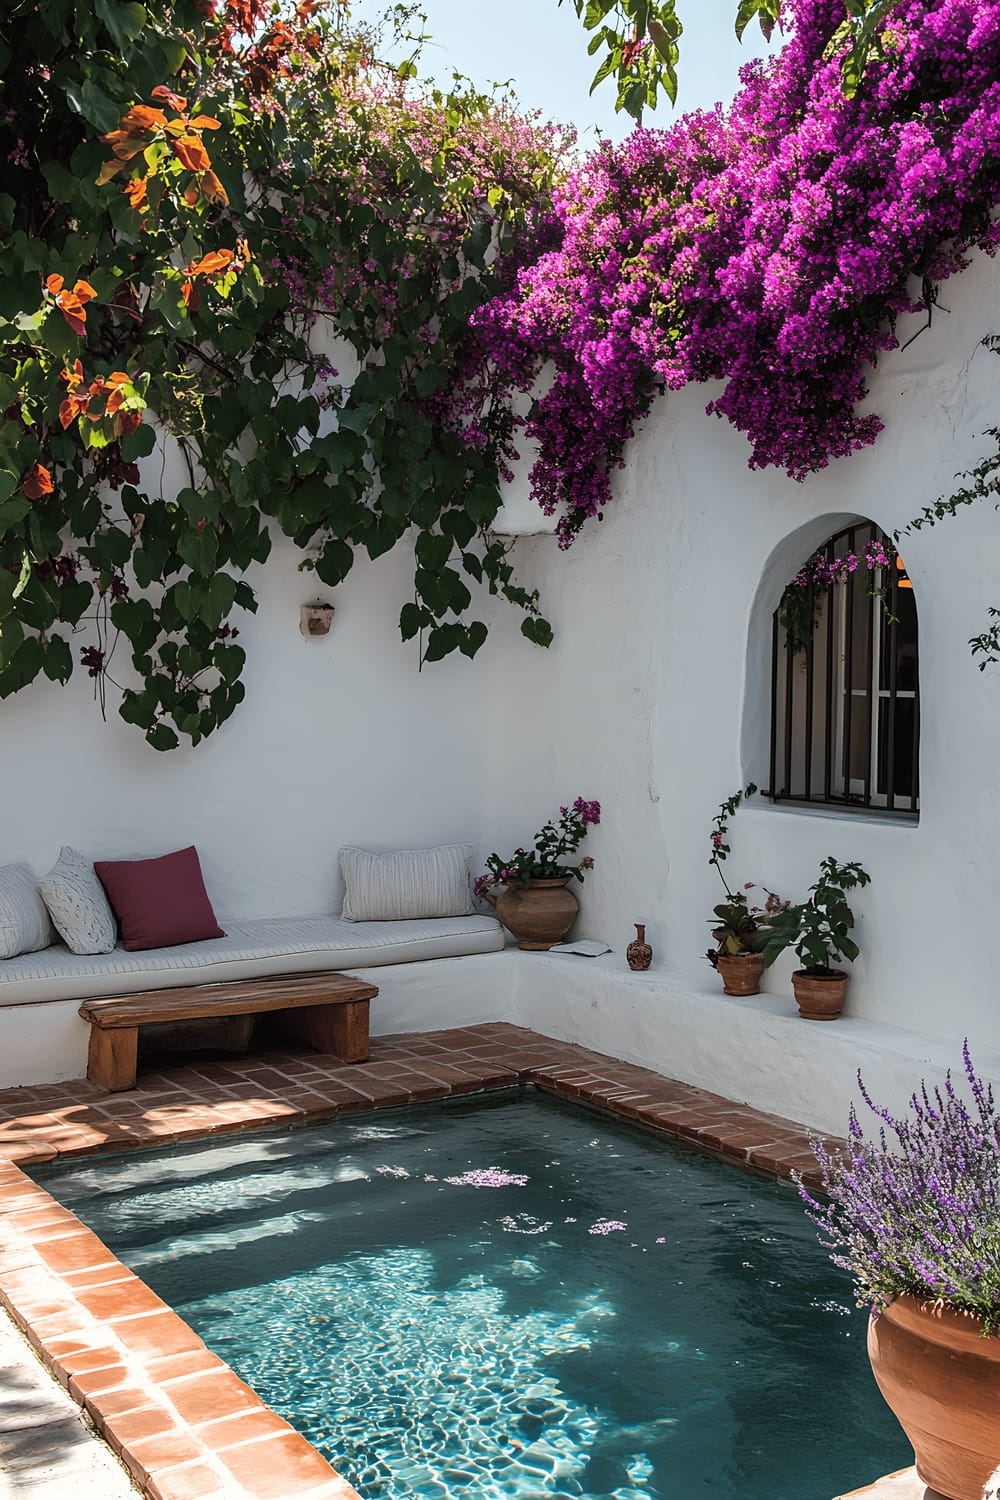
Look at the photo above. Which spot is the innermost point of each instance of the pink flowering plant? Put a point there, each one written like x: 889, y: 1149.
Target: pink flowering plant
x: 917, y: 1209
x: 737, y: 927
x: 548, y: 858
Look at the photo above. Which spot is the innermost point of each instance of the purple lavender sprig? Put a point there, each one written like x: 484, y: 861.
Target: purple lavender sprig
x: 917, y: 1209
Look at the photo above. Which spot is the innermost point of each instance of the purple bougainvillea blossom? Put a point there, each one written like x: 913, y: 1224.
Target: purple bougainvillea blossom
x: 488, y: 1177
x: 770, y: 246
x: 606, y: 1226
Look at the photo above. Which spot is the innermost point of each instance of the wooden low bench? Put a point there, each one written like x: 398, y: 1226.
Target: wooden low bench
x: 328, y: 1011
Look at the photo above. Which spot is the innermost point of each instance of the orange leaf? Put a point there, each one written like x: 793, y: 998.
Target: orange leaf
x: 213, y: 189
x: 109, y: 170
x: 72, y: 378
x: 135, y: 190
x: 210, y: 264
x: 192, y: 194
x: 169, y: 97
x: 145, y: 117
x: 72, y: 310
x: 84, y: 291
x: 37, y: 482
x: 191, y: 153
x: 54, y: 284
x: 118, y: 377
x: 71, y: 408
x: 191, y: 295
x: 115, y: 399
x: 126, y: 422
x: 205, y: 122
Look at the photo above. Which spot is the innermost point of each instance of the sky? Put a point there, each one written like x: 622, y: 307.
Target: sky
x: 542, y: 48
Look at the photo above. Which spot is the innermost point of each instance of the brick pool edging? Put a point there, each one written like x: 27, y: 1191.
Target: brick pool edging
x: 181, y: 1420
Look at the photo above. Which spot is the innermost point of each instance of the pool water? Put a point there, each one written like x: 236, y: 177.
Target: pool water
x: 510, y: 1297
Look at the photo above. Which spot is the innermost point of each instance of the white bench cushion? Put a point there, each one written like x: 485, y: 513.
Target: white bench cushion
x: 249, y: 950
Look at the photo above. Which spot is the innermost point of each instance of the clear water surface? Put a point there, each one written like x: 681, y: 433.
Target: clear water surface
x: 592, y: 1312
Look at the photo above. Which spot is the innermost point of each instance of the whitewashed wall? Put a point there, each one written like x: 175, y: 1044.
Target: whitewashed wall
x: 653, y: 699
x: 339, y: 741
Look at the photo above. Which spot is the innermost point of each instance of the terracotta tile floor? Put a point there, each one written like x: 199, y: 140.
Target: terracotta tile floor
x: 184, y: 1424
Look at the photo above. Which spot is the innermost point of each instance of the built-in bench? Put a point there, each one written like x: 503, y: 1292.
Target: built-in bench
x: 328, y: 1011
x: 49, y: 1043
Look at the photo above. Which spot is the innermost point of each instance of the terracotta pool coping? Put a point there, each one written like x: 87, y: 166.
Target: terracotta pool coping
x: 182, y: 1421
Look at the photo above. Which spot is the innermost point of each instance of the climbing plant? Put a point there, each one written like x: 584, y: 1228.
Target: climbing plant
x: 771, y: 246
x: 196, y: 198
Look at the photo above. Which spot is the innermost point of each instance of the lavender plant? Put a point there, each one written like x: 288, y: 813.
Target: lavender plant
x: 917, y: 1210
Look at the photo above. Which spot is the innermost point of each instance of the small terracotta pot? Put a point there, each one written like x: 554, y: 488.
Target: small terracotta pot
x: 820, y: 997
x: 741, y: 972
x: 942, y: 1380
x: 540, y: 915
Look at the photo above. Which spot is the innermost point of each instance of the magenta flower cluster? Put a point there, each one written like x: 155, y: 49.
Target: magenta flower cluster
x: 770, y: 246
x: 917, y: 1209
x: 822, y: 571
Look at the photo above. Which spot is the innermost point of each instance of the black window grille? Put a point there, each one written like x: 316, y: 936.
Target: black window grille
x: 845, y: 693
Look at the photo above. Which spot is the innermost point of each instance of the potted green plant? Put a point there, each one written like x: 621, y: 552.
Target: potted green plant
x: 535, y: 904
x: 739, y: 929
x: 914, y: 1215
x: 819, y: 931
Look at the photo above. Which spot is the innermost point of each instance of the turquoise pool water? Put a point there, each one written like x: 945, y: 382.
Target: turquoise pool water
x: 510, y: 1299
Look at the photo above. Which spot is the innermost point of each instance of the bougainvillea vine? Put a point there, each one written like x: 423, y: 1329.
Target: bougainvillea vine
x: 771, y: 246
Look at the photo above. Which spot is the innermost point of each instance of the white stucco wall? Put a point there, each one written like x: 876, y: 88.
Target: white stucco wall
x: 646, y: 701
x: 339, y: 741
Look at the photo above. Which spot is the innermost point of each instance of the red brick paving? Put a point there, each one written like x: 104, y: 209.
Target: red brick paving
x: 184, y: 1424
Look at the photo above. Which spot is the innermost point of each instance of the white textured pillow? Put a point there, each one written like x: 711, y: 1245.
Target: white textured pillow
x: 24, y: 921
x: 77, y: 904
x: 406, y: 884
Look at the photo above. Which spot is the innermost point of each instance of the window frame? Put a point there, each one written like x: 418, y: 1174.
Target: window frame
x: 814, y: 743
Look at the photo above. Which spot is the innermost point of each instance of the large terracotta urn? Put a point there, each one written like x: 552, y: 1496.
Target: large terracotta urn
x: 539, y: 915
x: 942, y: 1381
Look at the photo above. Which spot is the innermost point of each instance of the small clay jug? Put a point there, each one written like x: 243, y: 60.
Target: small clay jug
x: 639, y: 953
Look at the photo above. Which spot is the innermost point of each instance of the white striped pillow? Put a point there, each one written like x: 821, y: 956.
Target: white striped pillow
x: 25, y: 925
x: 407, y: 884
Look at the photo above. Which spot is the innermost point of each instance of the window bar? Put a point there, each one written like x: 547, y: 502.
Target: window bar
x: 914, y: 784
x: 788, y: 789
x: 831, y: 683
x: 807, y: 790
x: 848, y: 668
x: 871, y: 686
x: 892, y: 645
x: 774, y: 705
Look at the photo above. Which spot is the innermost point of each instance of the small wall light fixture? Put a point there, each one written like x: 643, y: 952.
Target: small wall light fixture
x: 315, y: 619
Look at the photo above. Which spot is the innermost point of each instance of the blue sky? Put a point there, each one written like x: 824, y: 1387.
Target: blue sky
x: 542, y: 48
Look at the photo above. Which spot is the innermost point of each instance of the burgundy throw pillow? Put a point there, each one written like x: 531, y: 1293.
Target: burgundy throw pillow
x: 159, y: 902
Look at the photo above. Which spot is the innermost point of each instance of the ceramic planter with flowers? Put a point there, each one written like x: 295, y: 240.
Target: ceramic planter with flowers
x: 819, y: 931
x: 535, y: 904
x: 739, y: 929
x: 914, y: 1215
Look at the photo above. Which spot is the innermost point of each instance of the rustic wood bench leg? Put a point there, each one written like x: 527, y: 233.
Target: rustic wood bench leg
x: 341, y: 1029
x: 111, y: 1062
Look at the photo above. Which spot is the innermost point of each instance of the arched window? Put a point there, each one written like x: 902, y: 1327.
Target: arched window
x: 845, y: 698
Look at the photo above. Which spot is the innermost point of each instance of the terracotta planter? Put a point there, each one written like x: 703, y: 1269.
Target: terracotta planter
x: 942, y: 1381
x: 820, y: 997
x: 540, y: 915
x: 741, y: 972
